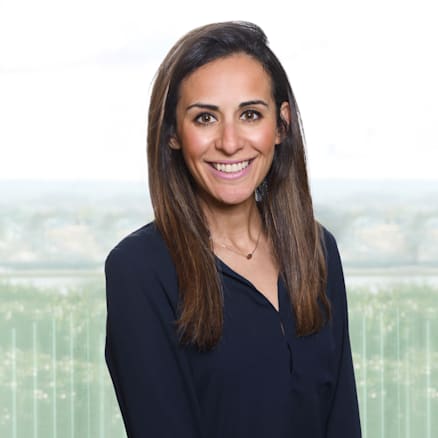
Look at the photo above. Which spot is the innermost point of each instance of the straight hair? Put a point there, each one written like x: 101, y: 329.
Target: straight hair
x: 284, y: 198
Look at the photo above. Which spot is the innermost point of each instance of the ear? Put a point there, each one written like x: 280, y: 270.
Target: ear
x: 174, y: 143
x: 285, y: 117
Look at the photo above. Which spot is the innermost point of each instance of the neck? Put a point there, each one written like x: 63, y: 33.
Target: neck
x: 236, y: 224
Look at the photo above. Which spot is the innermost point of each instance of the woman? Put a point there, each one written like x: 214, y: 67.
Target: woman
x: 227, y: 315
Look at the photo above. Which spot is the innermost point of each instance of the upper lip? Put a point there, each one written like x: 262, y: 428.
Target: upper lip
x: 230, y: 161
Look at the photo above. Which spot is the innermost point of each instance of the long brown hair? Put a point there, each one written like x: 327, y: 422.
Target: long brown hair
x: 284, y: 198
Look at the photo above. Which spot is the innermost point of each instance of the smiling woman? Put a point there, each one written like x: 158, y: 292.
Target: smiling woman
x: 227, y: 315
x: 227, y: 128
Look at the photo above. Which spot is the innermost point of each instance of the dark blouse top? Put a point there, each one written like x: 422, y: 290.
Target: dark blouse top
x: 257, y: 383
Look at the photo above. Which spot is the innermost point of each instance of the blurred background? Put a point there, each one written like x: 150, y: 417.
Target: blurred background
x: 75, y: 80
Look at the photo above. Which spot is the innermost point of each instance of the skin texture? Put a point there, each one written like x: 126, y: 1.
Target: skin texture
x: 226, y: 114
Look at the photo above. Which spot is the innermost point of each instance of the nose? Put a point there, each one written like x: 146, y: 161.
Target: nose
x: 229, y: 141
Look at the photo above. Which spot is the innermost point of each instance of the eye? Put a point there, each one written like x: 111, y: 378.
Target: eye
x: 205, y: 119
x: 251, y: 115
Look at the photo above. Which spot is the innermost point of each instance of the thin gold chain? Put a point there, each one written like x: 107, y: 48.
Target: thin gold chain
x: 248, y: 255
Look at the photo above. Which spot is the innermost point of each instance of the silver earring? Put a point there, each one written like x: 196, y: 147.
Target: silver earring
x: 261, y: 191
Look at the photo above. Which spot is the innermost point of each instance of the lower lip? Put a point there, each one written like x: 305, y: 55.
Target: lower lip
x: 231, y: 175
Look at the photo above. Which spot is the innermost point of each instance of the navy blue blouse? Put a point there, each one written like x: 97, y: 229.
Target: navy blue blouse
x: 260, y: 381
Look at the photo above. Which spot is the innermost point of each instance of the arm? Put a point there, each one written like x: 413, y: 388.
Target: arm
x: 344, y: 413
x: 149, y: 370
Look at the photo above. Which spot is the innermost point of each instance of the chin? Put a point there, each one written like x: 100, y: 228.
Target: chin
x: 235, y: 199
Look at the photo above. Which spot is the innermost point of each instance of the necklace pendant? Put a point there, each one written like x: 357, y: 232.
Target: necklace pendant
x: 249, y: 256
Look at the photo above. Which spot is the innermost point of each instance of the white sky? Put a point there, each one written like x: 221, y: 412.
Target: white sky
x: 75, y: 79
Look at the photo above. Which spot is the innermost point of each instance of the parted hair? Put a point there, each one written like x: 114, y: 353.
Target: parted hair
x: 284, y: 198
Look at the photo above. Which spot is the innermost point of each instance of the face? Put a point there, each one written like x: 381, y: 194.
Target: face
x: 227, y: 128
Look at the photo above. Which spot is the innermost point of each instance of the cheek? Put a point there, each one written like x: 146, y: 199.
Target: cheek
x: 194, y: 143
x: 264, y: 140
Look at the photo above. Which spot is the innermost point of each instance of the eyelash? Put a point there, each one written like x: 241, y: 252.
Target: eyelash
x: 199, y: 121
x: 254, y: 113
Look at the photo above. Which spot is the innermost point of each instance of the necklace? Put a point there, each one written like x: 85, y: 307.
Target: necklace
x: 249, y: 255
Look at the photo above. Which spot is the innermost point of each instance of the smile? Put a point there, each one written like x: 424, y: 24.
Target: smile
x: 231, y: 168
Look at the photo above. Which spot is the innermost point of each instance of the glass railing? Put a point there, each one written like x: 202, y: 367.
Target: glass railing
x: 54, y: 381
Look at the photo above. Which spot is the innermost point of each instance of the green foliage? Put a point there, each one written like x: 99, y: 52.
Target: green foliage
x: 396, y: 357
x: 52, y: 373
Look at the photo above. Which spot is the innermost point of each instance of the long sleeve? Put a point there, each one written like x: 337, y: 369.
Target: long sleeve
x: 148, y: 368
x: 344, y: 418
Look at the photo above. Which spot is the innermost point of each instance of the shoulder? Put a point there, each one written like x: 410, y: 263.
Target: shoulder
x: 335, y: 275
x: 328, y: 239
x: 330, y: 247
x: 142, y: 252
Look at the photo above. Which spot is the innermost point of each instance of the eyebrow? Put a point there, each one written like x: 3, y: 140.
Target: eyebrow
x: 216, y: 108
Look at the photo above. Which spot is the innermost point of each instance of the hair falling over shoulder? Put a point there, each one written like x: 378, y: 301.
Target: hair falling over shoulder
x: 285, y: 202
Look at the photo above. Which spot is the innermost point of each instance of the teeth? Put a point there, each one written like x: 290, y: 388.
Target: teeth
x: 230, y: 168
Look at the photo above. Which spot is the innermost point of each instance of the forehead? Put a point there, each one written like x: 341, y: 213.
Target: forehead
x: 238, y: 76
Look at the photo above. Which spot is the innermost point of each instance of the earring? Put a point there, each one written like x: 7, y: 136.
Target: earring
x: 261, y: 191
